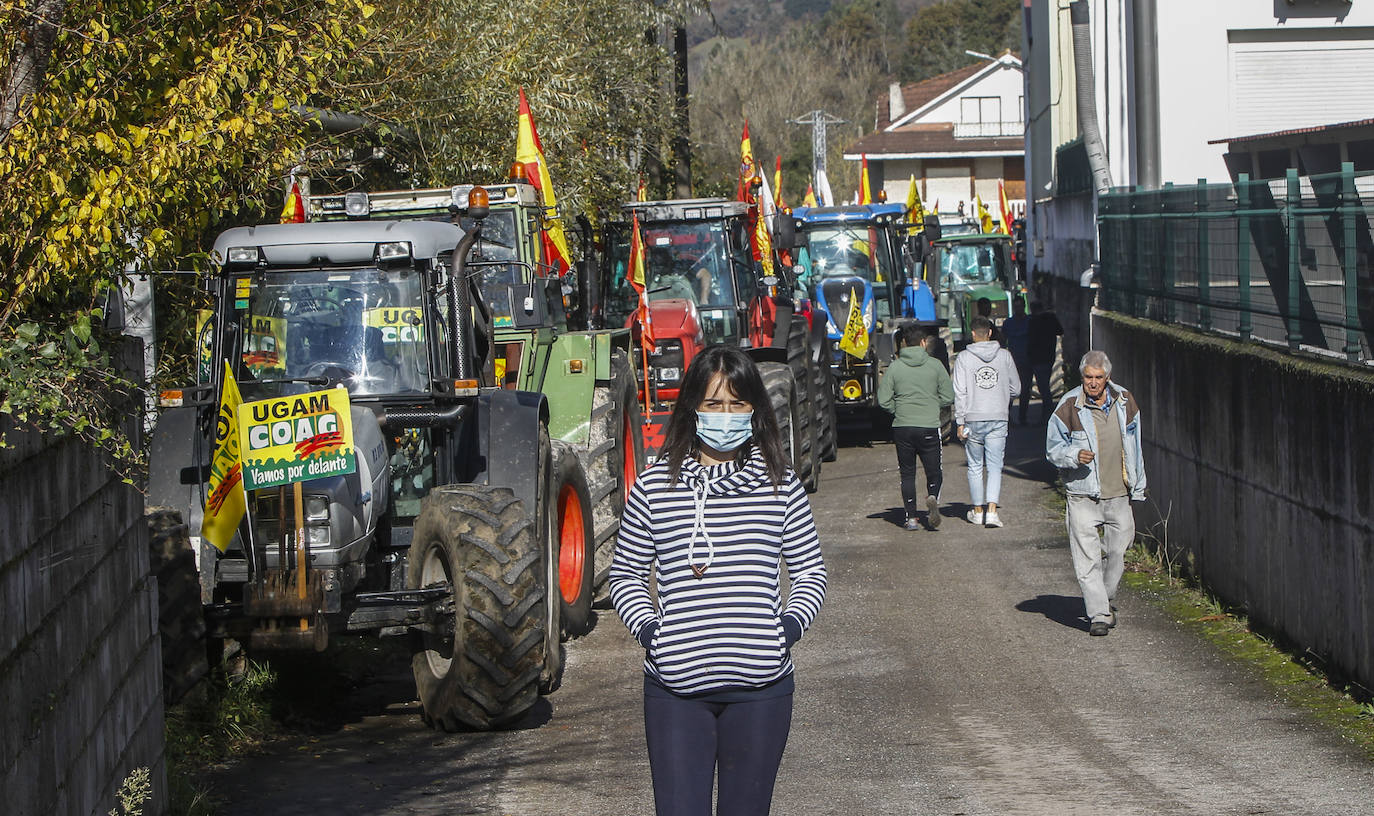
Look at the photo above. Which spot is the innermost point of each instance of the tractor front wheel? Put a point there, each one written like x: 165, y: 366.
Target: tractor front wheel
x: 572, y: 546
x: 481, y: 667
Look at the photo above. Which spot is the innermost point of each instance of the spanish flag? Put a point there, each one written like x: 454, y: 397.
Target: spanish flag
x: 294, y: 210
x: 854, y: 341
x: 226, y: 502
x: 865, y: 197
x: 777, y: 185
x: 762, y: 240
x: 639, y: 280
x: 1006, y: 208
x: 810, y: 200
x: 530, y: 153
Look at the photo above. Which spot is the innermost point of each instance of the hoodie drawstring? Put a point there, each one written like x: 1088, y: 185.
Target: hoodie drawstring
x: 699, y: 494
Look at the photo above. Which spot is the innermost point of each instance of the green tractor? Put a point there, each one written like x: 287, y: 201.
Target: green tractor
x: 473, y: 500
x: 971, y: 267
x: 531, y: 340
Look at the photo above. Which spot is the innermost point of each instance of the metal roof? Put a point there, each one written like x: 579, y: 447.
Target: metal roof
x: 1295, y: 132
x: 339, y: 242
x: 848, y: 212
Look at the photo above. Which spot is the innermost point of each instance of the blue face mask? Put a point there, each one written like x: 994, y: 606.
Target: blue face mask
x: 724, y: 432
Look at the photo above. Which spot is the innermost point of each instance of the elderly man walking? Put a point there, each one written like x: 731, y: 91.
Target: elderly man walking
x: 1093, y: 437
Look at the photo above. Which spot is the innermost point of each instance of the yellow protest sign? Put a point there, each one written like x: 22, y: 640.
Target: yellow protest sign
x: 297, y: 438
x: 854, y: 341
x: 266, y: 348
x: 224, y: 506
x: 398, y: 324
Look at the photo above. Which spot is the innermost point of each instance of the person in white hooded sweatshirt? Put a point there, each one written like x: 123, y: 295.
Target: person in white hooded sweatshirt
x: 985, y: 382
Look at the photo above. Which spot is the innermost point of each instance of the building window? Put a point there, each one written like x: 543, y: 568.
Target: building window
x: 981, y: 116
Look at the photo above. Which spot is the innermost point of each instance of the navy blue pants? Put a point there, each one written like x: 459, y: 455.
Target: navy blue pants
x: 689, y: 739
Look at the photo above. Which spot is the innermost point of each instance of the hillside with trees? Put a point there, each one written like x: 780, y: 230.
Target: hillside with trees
x: 772, y: 62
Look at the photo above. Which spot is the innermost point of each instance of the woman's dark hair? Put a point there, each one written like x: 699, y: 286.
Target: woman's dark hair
x: 744, y: 380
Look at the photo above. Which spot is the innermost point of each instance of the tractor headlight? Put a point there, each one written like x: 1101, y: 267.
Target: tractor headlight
x: 393, y: 251
x: 357, y: 205
x: 317, y: 508
x: 317, y: 536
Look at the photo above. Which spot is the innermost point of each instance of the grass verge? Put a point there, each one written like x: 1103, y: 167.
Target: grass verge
x: 1298, y: 679
x: 246, y: 704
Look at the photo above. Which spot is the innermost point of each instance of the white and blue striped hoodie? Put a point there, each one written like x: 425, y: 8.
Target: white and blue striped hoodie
x: 727, y: 629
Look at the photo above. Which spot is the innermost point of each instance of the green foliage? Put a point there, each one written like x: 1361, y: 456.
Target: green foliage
x: 155, y: 120
x: 938, y: 35
x: 58, y: 376
x: 133, y: 792
x: 448, y: 71
x: 770, y: 82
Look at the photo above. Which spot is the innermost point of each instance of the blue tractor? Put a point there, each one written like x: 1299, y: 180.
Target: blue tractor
x: 857, y: 254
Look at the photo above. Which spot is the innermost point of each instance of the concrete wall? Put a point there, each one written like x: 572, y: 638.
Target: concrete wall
x: 80, y: 676
x: 1261, y: 463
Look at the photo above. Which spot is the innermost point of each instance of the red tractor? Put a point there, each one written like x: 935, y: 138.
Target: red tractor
x: 704, y: 286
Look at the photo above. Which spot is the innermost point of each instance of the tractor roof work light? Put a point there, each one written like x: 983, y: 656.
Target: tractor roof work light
x: 356, y: 205
x: 393, y: 251
x: 243, y: 256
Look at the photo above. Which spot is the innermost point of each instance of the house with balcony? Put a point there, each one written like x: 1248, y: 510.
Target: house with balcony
x: 960, y: 134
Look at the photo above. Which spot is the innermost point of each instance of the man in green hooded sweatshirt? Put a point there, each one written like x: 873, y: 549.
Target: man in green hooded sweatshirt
x: 914, y: 389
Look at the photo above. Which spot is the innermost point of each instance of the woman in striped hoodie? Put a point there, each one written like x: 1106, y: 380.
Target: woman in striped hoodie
x: 714, y: 519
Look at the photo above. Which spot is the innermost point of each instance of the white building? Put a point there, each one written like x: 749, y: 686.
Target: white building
x: 1177, y: 84
x: 959, y: 134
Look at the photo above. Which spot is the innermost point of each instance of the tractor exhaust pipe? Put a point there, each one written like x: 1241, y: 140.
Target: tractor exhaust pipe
x: 1086, y: 96
x: 460, y: 305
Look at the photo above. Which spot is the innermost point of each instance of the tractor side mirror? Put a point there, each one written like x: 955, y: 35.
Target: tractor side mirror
x: 931, y: 228
x: 784, y: 231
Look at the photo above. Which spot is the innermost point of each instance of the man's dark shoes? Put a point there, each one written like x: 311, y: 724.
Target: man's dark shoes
x: 933, y: 512
x: 1098, y: 629
x: 912, y: 523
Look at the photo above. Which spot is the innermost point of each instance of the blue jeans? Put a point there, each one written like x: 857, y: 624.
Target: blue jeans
x: 985, y: 447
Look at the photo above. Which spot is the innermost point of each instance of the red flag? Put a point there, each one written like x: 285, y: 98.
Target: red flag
x: 530, y: 152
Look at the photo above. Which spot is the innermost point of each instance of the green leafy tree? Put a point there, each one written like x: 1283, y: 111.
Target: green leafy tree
x: 128, y: 127
x: 938, y: 35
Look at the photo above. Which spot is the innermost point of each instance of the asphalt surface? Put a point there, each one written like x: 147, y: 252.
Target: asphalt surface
x: 950, y: 672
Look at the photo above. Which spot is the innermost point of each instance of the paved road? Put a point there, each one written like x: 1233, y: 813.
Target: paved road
x: 949, y: 673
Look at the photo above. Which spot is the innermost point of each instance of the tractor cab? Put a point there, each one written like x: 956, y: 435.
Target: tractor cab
x: 971, y: 268
x: 699, y: 277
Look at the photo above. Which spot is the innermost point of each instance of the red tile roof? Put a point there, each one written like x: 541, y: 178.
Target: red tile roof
x: 919, y: 94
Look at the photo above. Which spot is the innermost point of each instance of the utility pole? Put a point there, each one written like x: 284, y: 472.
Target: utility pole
x: 818, y: 120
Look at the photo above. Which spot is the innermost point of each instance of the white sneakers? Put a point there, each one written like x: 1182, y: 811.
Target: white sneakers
x: 989, y: 518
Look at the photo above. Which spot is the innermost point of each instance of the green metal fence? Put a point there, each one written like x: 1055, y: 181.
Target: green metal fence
x: 1286, y: 261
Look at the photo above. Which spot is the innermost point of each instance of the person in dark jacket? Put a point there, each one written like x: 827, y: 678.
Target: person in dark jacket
x: 713, y: 520
x: 914, y: 389
x: 1042, y: 337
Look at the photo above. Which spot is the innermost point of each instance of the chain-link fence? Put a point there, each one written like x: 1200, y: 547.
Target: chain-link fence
x: 1286, y: 261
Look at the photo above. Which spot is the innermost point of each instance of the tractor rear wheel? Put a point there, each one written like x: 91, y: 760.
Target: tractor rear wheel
x: 823, y: 392
x: 615, y: 456
x: 807, y: 460
x: 782, y: 390
x: 484, y: 671
x: 571, y: 541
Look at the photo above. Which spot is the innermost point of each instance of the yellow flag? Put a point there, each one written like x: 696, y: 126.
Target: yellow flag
x: 225, y: 505
x: 915, y: 211
x: 854, y: 341
x: 985, y: 221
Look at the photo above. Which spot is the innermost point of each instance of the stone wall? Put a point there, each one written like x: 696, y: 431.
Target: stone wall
x: 79, y: 660
x: 1261, y: 463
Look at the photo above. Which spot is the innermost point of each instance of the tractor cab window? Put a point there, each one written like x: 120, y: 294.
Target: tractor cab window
x: 362, y: 328
x: 963, y: 265
x: 687, y: 261
x: 825, y: 253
